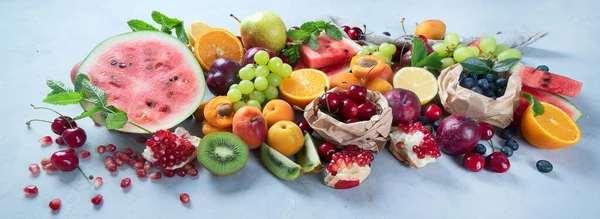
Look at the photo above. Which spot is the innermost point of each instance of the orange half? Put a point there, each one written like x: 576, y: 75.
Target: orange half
x: 303, y: 86
x: 552, y: 130
x: 215, y: 43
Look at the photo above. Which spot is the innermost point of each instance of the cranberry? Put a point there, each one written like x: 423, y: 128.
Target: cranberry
x: 74, y: 137
x: 348, y: 109
x: 185, y: 198
x: 97, y: 199
x: 65, y: 160
x: 357, y: 93
x: 46, y: 140
x: 54, y: 204
x: 155, y: 175
x: 366, y: 110
x: 34, y: 169
x: 305, y: 127
x: 474, y: 161
x: 98, y: 182
x: 346, y: 29
x: 487, y: 131
x: 60, y: 124
x: 497, y: 162
x: 326, y: 150
x: 101, y: 149
x: 351, y: 120
x: 433, y: 112
x: 355, y: 33
x: 330, y: 101
x: 30, y: 190
x: 125, y: 183
x: 111, y: 148
x: 60, y: 141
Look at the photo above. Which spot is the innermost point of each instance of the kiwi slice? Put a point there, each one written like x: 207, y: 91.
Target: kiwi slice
x: 279, y: 164
x: 222, y: 153
x: 308, y: 157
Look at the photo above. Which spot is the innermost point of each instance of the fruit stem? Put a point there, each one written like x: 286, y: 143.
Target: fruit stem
x: 298, y: 108
x: 326, y: 99
x: 492, y: 116
x: 36, y: 120
x: 367, y: 74
x: 403, y: 29
x: 234, y: 17
x: 139, y: 126
x: 46, y: 108
x: 90, y: 177
x: 491, y: 144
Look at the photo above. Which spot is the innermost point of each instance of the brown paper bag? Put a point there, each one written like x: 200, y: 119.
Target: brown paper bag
x: 369, y: 135
x: 459, y: 100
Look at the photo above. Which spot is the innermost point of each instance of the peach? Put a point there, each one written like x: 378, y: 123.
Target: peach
x: 250, y: 125
x: 285, y: 137
x: 432, y: 29
x: 378, y: 84
x: 343, y: 80
x: 277, y: 110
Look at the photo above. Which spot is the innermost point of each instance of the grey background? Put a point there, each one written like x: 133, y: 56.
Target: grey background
x: 44, y: 39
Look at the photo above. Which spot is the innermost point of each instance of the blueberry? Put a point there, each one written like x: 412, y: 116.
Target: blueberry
x: 423, y: 120
x: 501, y: 82
x: 500, y: 92
x: 477, y: 89
x: 508, y: 132
x: 493, y: 86
x: 480, y: 149
x: 437, y: 123
x: 483, y: 83
x: 489, y: 93
x: 387, y: 33
x: 512, y: 144
x: 462, y: 76
x: 544, y: 166
x: 507, y: 151
x: 491, y: 77
x: 474, y: 76
x: 468, y: 83
x: 543, y: 68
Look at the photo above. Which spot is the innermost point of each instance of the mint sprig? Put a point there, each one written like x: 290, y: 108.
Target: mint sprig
x: 478, y: 66
x: 421, y: 59
x: 536, y: 106
x: 167, y: 24
x: 308, y: 34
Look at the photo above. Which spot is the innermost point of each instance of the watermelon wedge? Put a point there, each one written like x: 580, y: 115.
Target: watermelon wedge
x: 543, y: 96
x: 331, y: 52
x: 549, y: 82
x: 150, y: 75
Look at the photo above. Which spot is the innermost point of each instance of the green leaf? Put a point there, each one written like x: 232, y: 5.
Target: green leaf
x: 109, y: 110
x: 313, y: 42
x: 57, y: 87
x: 333, y: 31
x: 309, y: 27
x: 139, y: 25
x: 298, y: 34
x: 96, y: 95
x: 181, y: 35
x: 320, y: 24
x: 165, y: 21
x: 433, y: 61
x: 505, y: 65
x: 293, y: 52
x: 489, y: 62
x: 166, y: 30
x: 78, y: 79
x: 536, y: 106
x: 65, y: 98
x: 475, y: 65
x: 116, y: 120
x: 89, y: 112
x: 419, y: 51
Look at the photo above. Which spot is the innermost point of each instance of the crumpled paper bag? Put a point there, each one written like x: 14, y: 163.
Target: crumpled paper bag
x: 459, y: 100
x: 369, y: 135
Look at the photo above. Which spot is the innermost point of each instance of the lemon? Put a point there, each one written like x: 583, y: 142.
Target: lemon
x: 194, y: 29
x: 417, y: 80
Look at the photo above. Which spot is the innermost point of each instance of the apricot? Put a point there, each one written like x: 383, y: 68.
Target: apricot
x: 250, y: 125
x: 380, y: 85
x: 343, y: 80
x: 432, y: 29
x: 368, y: 66
x: 285, y: 137
x: 277, y: 110
x: 199, y: 113
x: 207, y: 128
x: 218, y: 112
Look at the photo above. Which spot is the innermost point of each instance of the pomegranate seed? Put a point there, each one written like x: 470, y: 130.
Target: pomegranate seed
x: 111, y: 167
x: 155, y: 175
x: 60, y: 141
x: 169, y: 173
x: 147, y: 165
x: 101, y: 149
x: 138, y: 165
x: 30, y: 190
x: 128, y: 151
x: 189, y: 166
x: 180, y: 172
x: 139, y: 158
x: 34, y: 169
x: 185, y: 198
x: 131, y: 162
x: 141, y: 173
x: 83, y: 154
x: 109, y: 160
x: 192, y: 172
x: 122, y: 156
x: 46, y: 140
x: 111, y: 148
x: 141, y: 139
x: 54, y: 204
x: 49, y: 168
x: 97, y: 199
x: 119, y: 162
x: 125, y: 183
x: 45, y: 160
x: 98, y: 182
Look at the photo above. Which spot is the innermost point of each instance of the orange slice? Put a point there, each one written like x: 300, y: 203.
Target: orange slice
x: 552, y: 130
x: 215, y: 43
x: 303, y: 86
x: 195, y: 29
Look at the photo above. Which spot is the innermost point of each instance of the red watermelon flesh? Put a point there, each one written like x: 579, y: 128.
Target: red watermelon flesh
x: 549, y: 82
x: 331, y: 52
x: 543, y: 96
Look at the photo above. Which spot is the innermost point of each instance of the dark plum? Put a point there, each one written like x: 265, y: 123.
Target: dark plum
x: 222, y: 74
x: 405, y: 105
x: 249, y: 55
x: 458, y: 134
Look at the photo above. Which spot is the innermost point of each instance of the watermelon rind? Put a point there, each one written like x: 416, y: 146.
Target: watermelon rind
x: 189, y: 58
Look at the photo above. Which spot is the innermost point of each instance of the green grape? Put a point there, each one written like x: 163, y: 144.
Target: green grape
x: 364, y: 51
x: 485, y: 55
x: 387, y: 59
x: 509, y: 53
x: 387, y: 49
x: 474, y: 49
x: 234, y: 95
x: 247, y: 73
x: 462, y: 45
x: 487, y: 44
x: 254, y: 103
x: 261, y: 71
x: 238, y: 105
x: 261, y: 83
x: 451, y: 40
x: 446, y: 62
x: 500, y: 48
x: 258, y: 96
x: 233, y: 86
x: 271, y: 92
x: 261, y: 57
x: 462, y: 54
x: 373, y: 48
x: 246, y: 86
x: 379, y: 54
x: 286, y: 71
x: 275, y: 64
x: 441, y: 48
x: 274, y: 79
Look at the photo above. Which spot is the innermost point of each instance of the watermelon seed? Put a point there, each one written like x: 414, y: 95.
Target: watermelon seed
x: 165, y: 109
x: 171, y: 94
x: 113, y: 62
x: 149, y: 103
x: 122, y: 65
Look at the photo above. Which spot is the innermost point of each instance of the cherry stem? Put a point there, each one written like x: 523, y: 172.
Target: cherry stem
x: 90, y: 177
x: 36, y: 120
x: 491, y: 144
x: 365, y: 27
x: 492, y: 116
x: 298, y: 108
x: 361, y: 79
x: 326, y: 99
x: 234, y: 17
x: 403, y: 29
x: 46, y: 108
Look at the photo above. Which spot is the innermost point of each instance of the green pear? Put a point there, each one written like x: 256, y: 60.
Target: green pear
x: 264, y: 29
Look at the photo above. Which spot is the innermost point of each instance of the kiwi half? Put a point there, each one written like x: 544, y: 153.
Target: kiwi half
x: 222, y: 153
x: 308, y: 157
x: 279, y: 164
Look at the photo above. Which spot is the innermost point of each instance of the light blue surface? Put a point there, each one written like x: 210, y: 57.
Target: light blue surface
x: 44, y: 39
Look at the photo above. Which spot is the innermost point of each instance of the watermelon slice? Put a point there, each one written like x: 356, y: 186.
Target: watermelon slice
x: 543, y: 96
x: 150, y: 75
x: 329, y: 70
x: 331, y: 52
x: 549, y: 82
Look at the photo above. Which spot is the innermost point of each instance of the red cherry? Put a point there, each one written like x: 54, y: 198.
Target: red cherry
x: 351, y: 120
x: 330, y: 102
x: 487, y: 131
x: 345, y: 29
x: 65, y: 160
x: 285, y: 59
x: 348, y: 109
x: 326, y: 150
x: 497, y: 162
x: 433, y: 112
x: 474, y: 161
x: 342, y: 95
x: 60, y: 124
x: 74, y: 137
x: 366, y: 110
x: 305, y: 127
x: 357, y: 93
x: 355, y: 33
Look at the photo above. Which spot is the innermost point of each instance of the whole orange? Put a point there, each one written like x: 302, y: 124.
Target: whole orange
x: 285, y: 137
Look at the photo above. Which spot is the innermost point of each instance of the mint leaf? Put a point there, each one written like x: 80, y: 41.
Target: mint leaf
x: 139, y: 25
x: 475, y: 65
x: 165, y: 21
x: 298, y: 34
x: 96, y: 95
x: 109, y: 110
x: 320, y: 24
x: 293, y: 52
x: 419, y: 51
x: 536, y: 106
x: 78, y: 79
x: 433, y: 61
x: 88, y: 113
x: 65, y: 98
x: 57, y: 87
x: 313, y: 42
x: 166, y: 30
x: 308, y: 27
x: 505, y: 65
x: 116, y: 120
x: 489, y: 62
x: 181, y: 35
x: 333, y: 31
